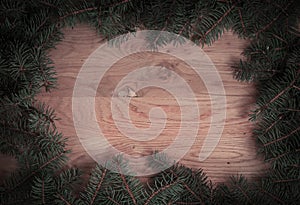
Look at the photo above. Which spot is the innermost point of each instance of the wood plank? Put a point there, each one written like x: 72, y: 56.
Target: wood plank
x: 236, y: 151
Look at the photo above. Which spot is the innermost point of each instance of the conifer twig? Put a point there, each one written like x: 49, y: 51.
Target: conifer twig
x: 286, y: 180
x: 126, y: 185
x: 274, y: 19
x: 24, y: 179
x: 114, y: 201
x: 283, y: 137
x: 91, y: 9
x: 242, y: 22
x: 165, y: 25
x: 63, y: 199
x: 184, y: 184
x: 98, y: 186
x: 187, y: 203
x: 158, y: 191
x: 279, y: 94
x: 272, y: 196
x: 273, y: 124
x: 78, y: 12
x: 217, y: 22
x: 48, y: 4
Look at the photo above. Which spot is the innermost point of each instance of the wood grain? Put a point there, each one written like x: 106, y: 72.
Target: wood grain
x: 236, y: 152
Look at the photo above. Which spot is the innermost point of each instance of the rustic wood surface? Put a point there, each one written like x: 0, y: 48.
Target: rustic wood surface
x: 236, y: 152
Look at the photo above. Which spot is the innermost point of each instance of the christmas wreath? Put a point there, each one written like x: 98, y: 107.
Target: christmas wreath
x: 29, y: 28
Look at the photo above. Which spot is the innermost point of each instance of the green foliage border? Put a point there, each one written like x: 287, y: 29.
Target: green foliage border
x: 28, y: 29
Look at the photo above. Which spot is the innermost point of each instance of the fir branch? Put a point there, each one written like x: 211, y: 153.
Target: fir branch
x: 244, y: 193
x: 171, y: 170
x: 282, y: 155
x: 278, y: 6
x: 200, y: 201
x: 279, y: 94
x: 48, y: 4
x: 217, y: 22
x: 166, y: 22
x: 274, y: 19
x: 238, y: 185
x: 119, y: 3
x: 14, y: 201
x: 295, y: 165
x: 159, y: 190
x: 187, y: 203
x: 192, y: 192
x: 286, y: 180
x: 273, y: 124
x: 182, y: 181
x: 283, y: 137
x: 42, y: 24
x: 14, y: 105
x: 98, y: 186
x: 298, y: 88
x: 169, y: 15
x: 279, y: 38
x: 49, y: 38
x: 78, y: 12
x: 181, y: 30
x: 272, y: 196
x: 242, y: 22
x: 114, y: 201
x: 66, y: 179
x: 26, y: 178
x: 92, y: 9
x: 127, y: 186
x: 43, y: 191
x: 183, y: 27
x: 293, y: 110
x: 99, y: 20
x: 21, y: 131
x: 5, y: 143
x: 63, y: 199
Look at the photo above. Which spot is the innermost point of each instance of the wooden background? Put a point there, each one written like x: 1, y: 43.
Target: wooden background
x: 236, y: 152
